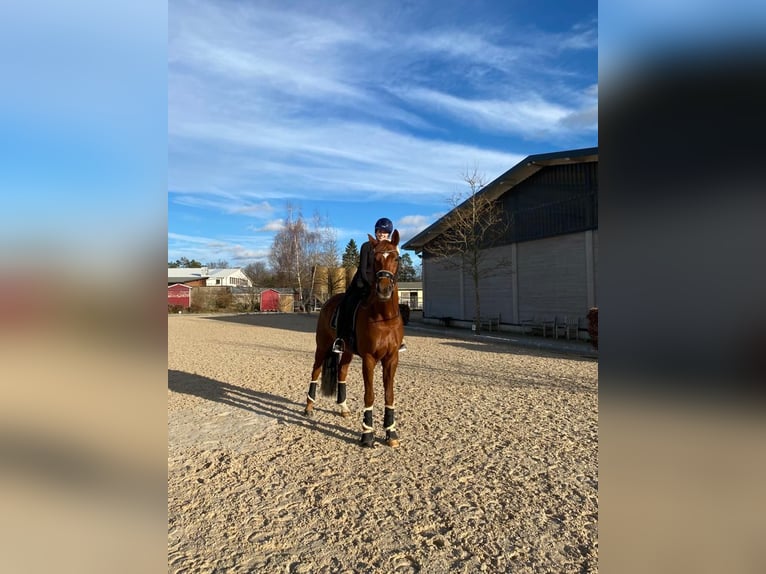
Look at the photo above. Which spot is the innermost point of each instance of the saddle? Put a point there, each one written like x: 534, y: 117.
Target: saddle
x: 336, y: 317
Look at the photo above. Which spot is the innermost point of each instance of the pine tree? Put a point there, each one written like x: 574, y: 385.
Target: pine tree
x: 351, y: 255
x: 407, y: 270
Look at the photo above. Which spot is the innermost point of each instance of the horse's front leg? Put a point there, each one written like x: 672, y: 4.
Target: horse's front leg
x: 389, y: 423
x: 368, y: 372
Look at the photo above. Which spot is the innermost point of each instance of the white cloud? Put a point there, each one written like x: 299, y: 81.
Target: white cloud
x: 268, y: 104
x: 188, y: 238
x: 530, y: 116
x: 236, y: 250
x: 345, y: 159
x: 273, y: 225
x: 410, y: 225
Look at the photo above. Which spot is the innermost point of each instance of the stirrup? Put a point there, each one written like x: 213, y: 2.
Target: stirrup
x: 337, y: 346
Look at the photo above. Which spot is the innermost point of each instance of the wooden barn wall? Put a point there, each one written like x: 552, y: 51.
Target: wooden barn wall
x: 556, y: 201
x: 553, y: 245
x: 551, y: 274
x: 552, y: 277
x: 496, y: 291
x: 594, y: 302
x: 441, y: 290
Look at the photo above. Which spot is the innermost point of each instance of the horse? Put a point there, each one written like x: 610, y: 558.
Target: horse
x: 379, y: 332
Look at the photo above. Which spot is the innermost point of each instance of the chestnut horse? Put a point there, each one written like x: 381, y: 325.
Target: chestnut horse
x: 379, y: 331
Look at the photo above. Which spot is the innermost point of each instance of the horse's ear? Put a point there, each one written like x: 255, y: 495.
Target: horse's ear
x: 395, y: 237
x: 372, y: 239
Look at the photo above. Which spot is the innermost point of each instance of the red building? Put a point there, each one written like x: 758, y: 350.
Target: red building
x: 179, y: 294
x: 270, y: 300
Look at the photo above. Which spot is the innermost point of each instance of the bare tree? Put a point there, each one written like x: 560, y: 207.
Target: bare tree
x: 220, y: 264
x: 298, y: 248
x: 475, y: 224
x: 287, y: 248
x: 257, y: 272
x: 323, y: 250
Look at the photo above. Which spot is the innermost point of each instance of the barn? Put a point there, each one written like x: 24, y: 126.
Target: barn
x: 269, y: 300
x: 544, y: 266
x: 179, y: 295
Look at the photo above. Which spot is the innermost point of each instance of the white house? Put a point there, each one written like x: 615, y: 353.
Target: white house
x: 411, y: 293
x: 204, y: 277
x: 227, y: 278
x: 193, y: 276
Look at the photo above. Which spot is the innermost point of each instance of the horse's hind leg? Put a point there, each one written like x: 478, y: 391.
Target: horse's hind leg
x: 311, y: 396
x: 342, y: 373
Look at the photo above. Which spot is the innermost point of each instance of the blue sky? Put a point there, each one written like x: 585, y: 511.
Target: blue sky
x: 360, y: 110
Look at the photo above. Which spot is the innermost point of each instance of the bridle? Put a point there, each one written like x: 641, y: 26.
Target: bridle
x: 384, y: 273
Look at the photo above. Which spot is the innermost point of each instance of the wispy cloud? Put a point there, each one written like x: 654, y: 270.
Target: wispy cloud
x: 529, y: 118
x: 206, y: 249
x: 344, y: 158
x: 274, y: 225
x: 228, y: 203
x: 410, y: 225
x: 269, y: 103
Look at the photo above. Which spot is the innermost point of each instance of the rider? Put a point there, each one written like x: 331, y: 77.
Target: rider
x: 361, y: 284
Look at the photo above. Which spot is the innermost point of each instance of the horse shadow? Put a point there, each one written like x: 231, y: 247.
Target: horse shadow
x: 508, y: 348
x: 260, y: 403
x: 298, y: 322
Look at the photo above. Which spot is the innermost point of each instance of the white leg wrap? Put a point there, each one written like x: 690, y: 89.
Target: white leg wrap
x: 393, y: 425
x: 343, y: 406
x: 365, y: 428
x: 312, y: 383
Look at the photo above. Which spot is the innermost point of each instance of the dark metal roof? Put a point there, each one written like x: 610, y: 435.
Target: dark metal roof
x: 511, y: 178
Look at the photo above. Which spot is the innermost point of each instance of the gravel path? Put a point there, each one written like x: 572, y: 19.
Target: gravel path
x: 497, y: 470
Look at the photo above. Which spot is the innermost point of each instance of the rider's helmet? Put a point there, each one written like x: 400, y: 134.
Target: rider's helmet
x: 384, y: 224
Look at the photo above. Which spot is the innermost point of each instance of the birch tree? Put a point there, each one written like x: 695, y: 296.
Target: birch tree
x: 299, y: 247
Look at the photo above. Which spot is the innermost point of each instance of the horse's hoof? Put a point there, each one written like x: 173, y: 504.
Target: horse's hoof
x: 345, y: 414
x: 308, y: 413
x: 393, y: 442
x: 367, y: 440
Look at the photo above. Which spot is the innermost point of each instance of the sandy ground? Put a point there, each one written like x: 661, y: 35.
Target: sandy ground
x: 497, y: 469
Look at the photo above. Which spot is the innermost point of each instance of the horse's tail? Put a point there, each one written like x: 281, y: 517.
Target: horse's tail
x: 329, y: 375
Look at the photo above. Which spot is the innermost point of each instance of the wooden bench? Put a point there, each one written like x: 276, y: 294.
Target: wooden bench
x: 490, y: 321
x: 533, y: 326
x: 570, y: 326
x: 545, y: 327
x: 552, y: 327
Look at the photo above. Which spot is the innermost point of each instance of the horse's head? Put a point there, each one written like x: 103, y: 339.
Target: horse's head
x: 386, y: 265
